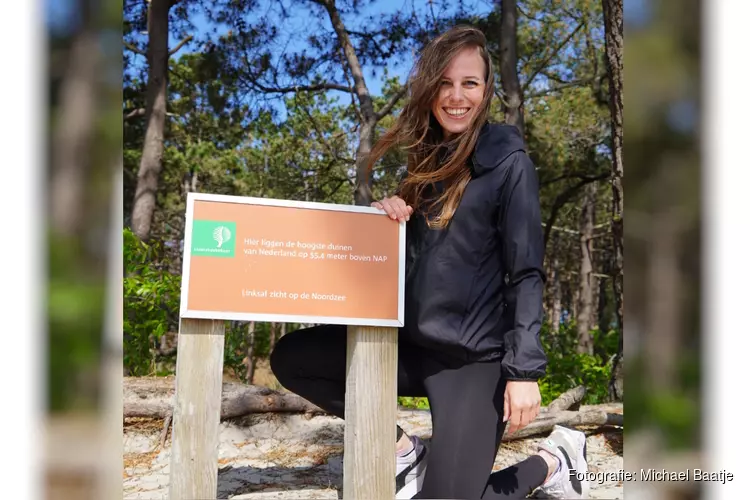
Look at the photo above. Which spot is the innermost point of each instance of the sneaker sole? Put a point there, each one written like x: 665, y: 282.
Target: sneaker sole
x: 586, y: 486
x: 414, y: 486
x: 577, y: 438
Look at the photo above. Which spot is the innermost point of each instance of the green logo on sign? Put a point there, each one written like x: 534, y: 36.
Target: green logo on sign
x: 213, y: 238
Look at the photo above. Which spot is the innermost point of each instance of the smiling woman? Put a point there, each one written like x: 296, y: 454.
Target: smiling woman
x: 451, y: 90
x: 461, y: 92
x: 472, y: 295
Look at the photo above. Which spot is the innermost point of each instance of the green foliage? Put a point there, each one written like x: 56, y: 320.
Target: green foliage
x: 151, y: 296
x: 414, y: 403
x: 235, y: 350
x: 568, y: 368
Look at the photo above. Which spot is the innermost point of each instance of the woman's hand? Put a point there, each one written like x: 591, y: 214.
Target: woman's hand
x: 395, y: 207
x: 522, y: 401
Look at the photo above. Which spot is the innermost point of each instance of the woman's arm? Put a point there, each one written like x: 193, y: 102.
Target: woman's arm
x: 523, y: 260
x: 524, y: 361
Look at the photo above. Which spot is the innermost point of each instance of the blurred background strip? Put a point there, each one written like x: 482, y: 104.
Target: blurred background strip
x: 84, y: 151
x: 663, y: 242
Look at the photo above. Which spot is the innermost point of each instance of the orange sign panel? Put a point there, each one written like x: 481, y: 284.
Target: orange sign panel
x: 276, y: 260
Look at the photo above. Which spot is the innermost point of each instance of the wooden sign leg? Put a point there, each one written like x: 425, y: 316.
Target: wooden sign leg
x: 370, y: 413
x: 193, y: 469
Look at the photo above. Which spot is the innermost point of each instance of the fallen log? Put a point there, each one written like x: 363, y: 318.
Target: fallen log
x: 152, y: 397
x: 238, y: 400
x: 591, y: 416
x: 567, y: 399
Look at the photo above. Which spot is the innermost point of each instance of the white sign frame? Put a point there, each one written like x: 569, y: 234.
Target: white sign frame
x: 185, y: 312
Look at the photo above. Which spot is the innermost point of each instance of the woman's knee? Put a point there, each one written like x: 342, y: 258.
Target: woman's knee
x: 285, y: 355
x: 308, y: 352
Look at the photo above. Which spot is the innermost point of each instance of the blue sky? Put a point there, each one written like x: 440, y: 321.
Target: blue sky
x: 62, y: 13
x: 302, y: 23
x: 307, y: 18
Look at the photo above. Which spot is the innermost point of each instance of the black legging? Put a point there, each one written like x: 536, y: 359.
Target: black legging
x: 466, y: 404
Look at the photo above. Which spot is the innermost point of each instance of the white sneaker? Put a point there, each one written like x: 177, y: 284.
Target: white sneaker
x: 569, y: 481
x: 410, y: 470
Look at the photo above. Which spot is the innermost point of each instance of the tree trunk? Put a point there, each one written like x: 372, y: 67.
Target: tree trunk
x: 190, y: 182
x: 156, y: 112
x: 585, y: 281
x: 594, y: 316
x: 73, y: 135
x: 549, y: 271
x: 363, y: 189
x: 613, y: 42
x: 617, y: 382
x: 602, y: 303
x: 575, y: 294
x: 601, y: 315
x: 250, y: 343
x: 554, y: 295
x: 513, y: 94
x: 272, y: 334
x: 604, y: 315
x: 557, y: 300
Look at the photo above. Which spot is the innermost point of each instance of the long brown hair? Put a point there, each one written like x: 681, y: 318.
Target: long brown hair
x: 432, y: 159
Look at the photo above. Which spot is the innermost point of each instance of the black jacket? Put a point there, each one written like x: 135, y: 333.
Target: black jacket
x: 474, y: 290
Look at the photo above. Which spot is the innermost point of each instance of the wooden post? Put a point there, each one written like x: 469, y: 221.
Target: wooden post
x: 197, y: 409
x: 370, y: 413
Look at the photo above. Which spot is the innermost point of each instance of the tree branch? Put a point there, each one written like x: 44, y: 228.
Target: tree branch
x: 574, y: 232
x: 140, y: 112
x: 370, y: 37
x: 133, y: 48
x: 527, y: 15
x: 547, y: 59
x: 501, y: 97
x: 562, y: 199
x: 562, y: 86
x: 179, y: 45
x: 320, y: 133
x: 553, y: 77
x: 363, y: 93
x: 574, y: 175
x: 301, y: 88
x: 135, y: 112
x: 341, y: 183
x: 391, y: 102
x: 347, y: 75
